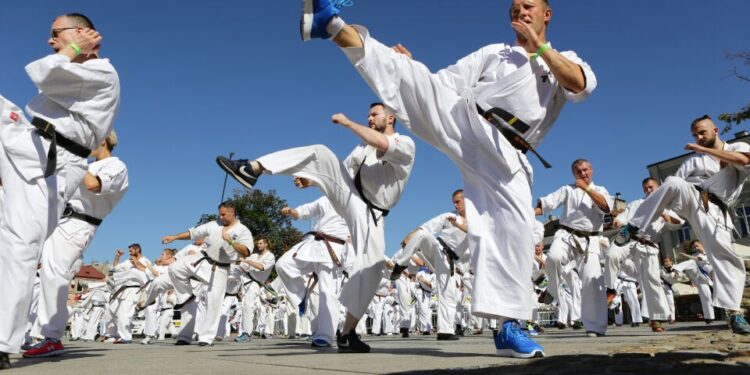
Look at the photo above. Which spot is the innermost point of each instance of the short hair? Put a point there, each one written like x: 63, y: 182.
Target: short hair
x: 457, y: 192
x: 79, y: 20
x: 111, y: 140
x: 388, y: 112
x: 668, y: 259
x: 263, y: 238
x: 135, y: 246
x: 647, y: 179
x: 227, y: 204
x: 578, y: 162
x: 171, y: 252
x: 699, y: 119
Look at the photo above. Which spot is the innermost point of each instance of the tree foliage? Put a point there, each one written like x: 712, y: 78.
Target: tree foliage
x: 744, y: 113
x: 261, y: 213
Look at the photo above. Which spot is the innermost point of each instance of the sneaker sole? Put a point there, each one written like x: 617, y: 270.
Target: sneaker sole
x: 236, y: 178
x: 305, y: 22
x: 50, y: 354
x: 515, y: 354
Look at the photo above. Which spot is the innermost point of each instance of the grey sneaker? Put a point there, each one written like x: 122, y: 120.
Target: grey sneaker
x: 239, y: 169
x: 739, y: 325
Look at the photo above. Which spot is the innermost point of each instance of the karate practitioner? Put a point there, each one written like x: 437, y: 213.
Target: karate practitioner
x: 253, y: 272
x: 699, y: 272
x: 362, y: 190
x: 520, y: 88
x: 152, y: 312
x: 226, y: 240
x: 702, y: 191
x: 669, y: 276
x: 127, y: 278
x: 78, y: 100
x: 322, y: 251
x: 576, y: 244
x: 103, y: 186
x: 440, y: 242
x: 645, y: 257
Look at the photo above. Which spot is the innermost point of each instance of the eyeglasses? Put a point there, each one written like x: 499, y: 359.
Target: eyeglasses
x: 54, y: 32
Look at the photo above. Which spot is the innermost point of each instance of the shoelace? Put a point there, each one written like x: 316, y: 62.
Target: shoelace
x: 342, y: 3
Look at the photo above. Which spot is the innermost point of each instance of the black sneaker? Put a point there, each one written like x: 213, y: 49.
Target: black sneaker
x: 577, y: 324
x: 350, y: 343
x: 203, y: 343
x: 447, y: 337
x: 561, y: 325
x: 182, y: 342
x: 404, y: 332
x: 239, y: 169
x: 4, y: 361
x: 459, y: 330
x: 397, y: 270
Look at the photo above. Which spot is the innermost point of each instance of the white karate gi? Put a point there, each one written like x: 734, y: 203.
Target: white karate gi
x: 252, y: 281
x: 213, y: 278
x: 423, y: 292
x: 311, y: 256
x: 127, y: 280
x: 425, y: 240
x: 383, y: 176
x: 629, y: 289
x: 82, y: 101
x: 713, y: 228
x: 698, y: 274
x: 580, y: 213
x: 441, y: 109
x: 645, y: 259
x: 668, y: 279
x: 70, y: 239
x: 405, y: 295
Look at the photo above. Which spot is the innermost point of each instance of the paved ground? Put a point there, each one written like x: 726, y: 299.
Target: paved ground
x: 685, y: 348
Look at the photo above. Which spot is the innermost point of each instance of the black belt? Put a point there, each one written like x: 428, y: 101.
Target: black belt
x: 452, y: 257
x: 122, y: 289
x: 231, y: 294
x: 513, y: 136
x: 211, y: 261
x: 580, y: 233
x: 628, y: 279
x: 327, y: 239
x: 370, y: 206
x: 47, y: 130
x: 71, y: 213
x: 707, y: 196
x: 252, y: 280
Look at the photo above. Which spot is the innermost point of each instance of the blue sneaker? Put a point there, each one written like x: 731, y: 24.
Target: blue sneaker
x: 625, y: 235
x: 739, y: 325
x: 315, y: 17
x: 244, y: 337
x: 512, y: 342
x: 320, y: 343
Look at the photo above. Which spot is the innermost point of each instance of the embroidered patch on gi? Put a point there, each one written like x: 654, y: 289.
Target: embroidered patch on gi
x: 14, y: 116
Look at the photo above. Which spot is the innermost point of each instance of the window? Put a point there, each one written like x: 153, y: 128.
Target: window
x: 743, y: 220
x: 683, y: 234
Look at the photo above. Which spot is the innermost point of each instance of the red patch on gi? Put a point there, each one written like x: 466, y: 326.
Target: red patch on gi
x: 14, y: 116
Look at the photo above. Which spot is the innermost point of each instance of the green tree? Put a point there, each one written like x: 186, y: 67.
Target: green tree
x: 261, y: 213
x: 744, y: 113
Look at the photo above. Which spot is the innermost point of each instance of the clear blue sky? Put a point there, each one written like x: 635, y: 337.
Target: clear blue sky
x: 201, y: 79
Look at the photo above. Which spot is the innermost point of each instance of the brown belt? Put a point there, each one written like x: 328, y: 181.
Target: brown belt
x: 327, y: 239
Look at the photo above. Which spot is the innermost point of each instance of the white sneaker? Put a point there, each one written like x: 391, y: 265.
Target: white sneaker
x: 148, y: 340
x: 110, y: 340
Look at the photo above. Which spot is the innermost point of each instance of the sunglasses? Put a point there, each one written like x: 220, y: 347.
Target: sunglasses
x: 55, y: 32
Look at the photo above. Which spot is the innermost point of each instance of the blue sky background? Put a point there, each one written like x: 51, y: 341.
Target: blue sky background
x: 201, y: 79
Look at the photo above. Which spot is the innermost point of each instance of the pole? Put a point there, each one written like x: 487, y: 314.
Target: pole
x: 224, y: 188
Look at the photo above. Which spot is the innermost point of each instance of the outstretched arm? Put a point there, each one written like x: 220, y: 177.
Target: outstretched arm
x: 369, y: 136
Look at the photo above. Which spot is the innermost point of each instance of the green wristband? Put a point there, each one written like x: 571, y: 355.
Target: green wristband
x: 75, y: 47
x: 540, y: 51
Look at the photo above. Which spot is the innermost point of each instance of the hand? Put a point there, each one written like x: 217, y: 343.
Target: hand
x: 86, y: 39
x: 616, y: 224
x: 399, y: 48
x: 452, y: 220
x: 286, y: 211
x: 695, y: 147
x: 225, y: 234
x: 341, y: 119
x: 527, y: 36
x: 581, y: 184
x: 167, y: 239
x: 302, y: 183
x: 119, y: 253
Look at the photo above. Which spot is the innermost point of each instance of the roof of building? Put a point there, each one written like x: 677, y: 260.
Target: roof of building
x: 89, y: 272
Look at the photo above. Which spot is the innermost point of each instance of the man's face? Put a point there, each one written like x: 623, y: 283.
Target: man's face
x: 583, y: 172
x: 377, y: 118
x: 698, y: 247
x: 649, y: 187
x: 458, y: 203
x: 226, y: 215
x: 61, y: 33
x: 165, y: 257
x: 539, y: 248
x: 533, y: 12
x: 668, y: 263
x: 705, y: 133
x: 261, y: 245
x: 133, y: 252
